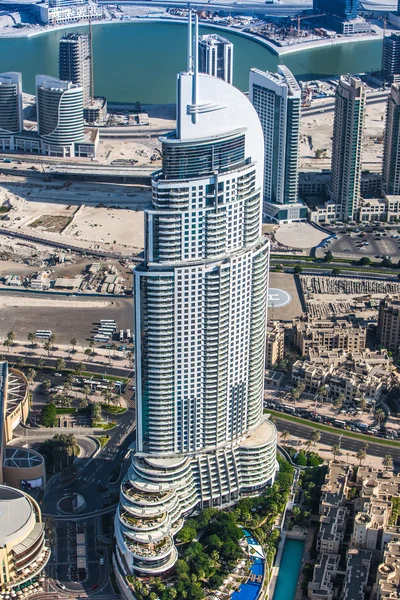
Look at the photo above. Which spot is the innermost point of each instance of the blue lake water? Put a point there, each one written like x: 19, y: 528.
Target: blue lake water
x: 139, y: 61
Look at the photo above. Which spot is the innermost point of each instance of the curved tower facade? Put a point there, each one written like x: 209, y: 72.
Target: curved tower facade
x: 11, y: 116
x: 200, y: 323
x: 59, y: 114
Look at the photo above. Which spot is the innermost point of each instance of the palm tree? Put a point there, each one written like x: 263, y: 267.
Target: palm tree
x: 47, y: 385
x: 52, y: 338
x: 60, y: 364
x: 88, y: 352
x: 11, y: 337
x: 308, y: 445
x: 40, y: 364
x: 362, y: 403
x: 79, y: 368
x: 21, y: 362
x: 361, y: 455
x: 7, y: 344
x: 315, y: 437
x: 106, y: 395
x: 48, y: 347
x: 338, y: 402
x: 73, y: 341
x: 86, y: 390
x: 31, y: 376
x: 31, y: 338
x: 285, y: 435
x: 335, y: 451
x: 387, y: 462
x: 379, y: 415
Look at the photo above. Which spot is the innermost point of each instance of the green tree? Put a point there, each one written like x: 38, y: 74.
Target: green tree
x: 46, y: 385
x: 285, y: 435
x: 328, y: 256
x: 298, y: 269
x: 32, y: 339
x: 60, y: 364
x: 48, y: 347
x: 73, y: 342
x: 335, y: 451
x: 315, y: 437
x: 361, y: 456
x: 88, y: 352
x: 387, y: 462
x: 387, y: 262
x: 335, y: 271
x: 379, y: 415
x: 364, y: 261
x: 187, y: 533
x: 49, y: 415
x: 40, y: 364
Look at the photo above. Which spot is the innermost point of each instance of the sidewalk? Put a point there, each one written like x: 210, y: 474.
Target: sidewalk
x: 103, y: 356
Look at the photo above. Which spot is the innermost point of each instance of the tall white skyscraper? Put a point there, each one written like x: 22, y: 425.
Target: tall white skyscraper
x: 348, y: 127
x: 200, y: 323
x: 74, y: 62
x: 391, y: 147
x: 277, y: 100
x: 216, y: 56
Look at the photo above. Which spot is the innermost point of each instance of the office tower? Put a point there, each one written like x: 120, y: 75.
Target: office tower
x: 277, y: 100
x: 59, y: 106
x: 389, y: 323
x: 200, y: 323
x: 391, y: 144
x: 348, y: 125
x: 344, y: 9
x: 216, y: 56
x: 391, y: 57
x: 11, y: 117
x: 74, y: 62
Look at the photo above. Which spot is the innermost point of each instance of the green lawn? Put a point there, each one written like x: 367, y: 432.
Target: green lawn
x: 116, y: 410
x: 345, y: 432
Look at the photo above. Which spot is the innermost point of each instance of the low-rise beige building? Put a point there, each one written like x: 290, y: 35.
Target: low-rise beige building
x: 387, y: 584
x: 328, y: 334
x: 275, y: 344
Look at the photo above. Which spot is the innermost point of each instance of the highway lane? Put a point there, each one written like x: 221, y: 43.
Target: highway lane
x: 346, y: 443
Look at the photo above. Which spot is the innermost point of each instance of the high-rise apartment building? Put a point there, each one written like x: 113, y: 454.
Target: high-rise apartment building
x: 200, y: 322
x: 389, y: 323
x: 216, y: 56
x: 74, y: 62
x: 11, y: 117
x: 277, y: 100
x: 59, y: 115
x: 391, y: 147
x: 391, y: 57
x: 348, y: 129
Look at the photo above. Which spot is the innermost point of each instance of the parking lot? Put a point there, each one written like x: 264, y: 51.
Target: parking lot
x: 352, y: 245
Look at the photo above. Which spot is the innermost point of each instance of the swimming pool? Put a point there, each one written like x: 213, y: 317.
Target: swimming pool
x: 289, y: 570
x: 251, y: 589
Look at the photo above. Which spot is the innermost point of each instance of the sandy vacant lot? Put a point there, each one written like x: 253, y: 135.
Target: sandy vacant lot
x: 108, y: 228
x: 318, y: 129
x: 108, y: 225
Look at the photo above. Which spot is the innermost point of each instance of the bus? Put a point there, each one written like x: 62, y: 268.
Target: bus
x: 128, y: 334
x: 339, y: 423
x: 43, y: 334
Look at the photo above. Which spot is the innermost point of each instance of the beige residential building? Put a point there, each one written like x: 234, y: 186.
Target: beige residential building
x: 326, y: 334
x: 389, y: 323
x: 357, y: 572
x: 275, y: 344
x: 322, y: 586
x: 387, y: 583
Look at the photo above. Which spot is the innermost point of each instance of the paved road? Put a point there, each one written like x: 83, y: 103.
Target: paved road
x: 346, y: 443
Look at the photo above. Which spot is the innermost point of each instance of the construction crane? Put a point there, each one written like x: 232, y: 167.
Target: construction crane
x: 299, y: 19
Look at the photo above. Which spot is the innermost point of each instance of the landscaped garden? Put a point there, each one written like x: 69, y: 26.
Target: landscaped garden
x: 210, y: 546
